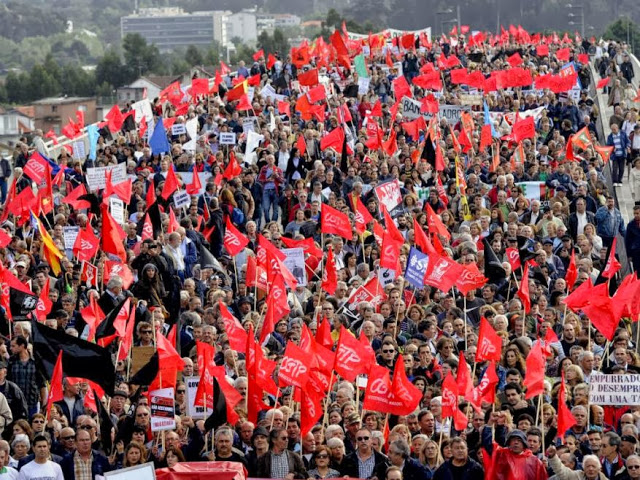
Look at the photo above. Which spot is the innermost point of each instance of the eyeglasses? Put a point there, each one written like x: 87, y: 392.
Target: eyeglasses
x: 146, y: 331
x: 319, y: 457
x: 37, y: 421
x: 85, y: 427
x: 181, y: 391
x: 66, y: 439
x: 362, y: 439
x: 630, y: 467
x: 284, y: 438
x: 388, y: 351
x: 142, y: 414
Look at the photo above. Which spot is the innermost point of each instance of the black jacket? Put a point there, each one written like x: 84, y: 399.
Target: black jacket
x: 472, y: 471
x: 349, y: 465
x: 296, y: 466
x: 573, y: 223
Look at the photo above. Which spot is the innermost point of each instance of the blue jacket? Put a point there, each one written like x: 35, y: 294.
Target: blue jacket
x: 99, y: 465
x: 623, y: 139
x: 608, y: 226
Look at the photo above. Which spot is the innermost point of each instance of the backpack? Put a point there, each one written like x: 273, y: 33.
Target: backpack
x: 237, y: 216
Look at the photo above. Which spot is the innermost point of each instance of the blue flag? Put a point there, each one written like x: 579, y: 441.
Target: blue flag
x: 487, y: 119
x: 158, y: 141
x: 416, y: 268
x: 92, y: 132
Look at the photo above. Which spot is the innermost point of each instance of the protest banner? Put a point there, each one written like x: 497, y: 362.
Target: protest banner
x: 227, y: 138
x: 161, y: 404
x: 146, y: 471
x: 97, y: 176
x: 79, y: 150
x: 295, y: 263
x: 178, y: 129
x: 193, y: 410
x: 410, y: 108
x: 386, y: 276
x: 69, y: 235
x: 389, y: 194
x: 249, y: 124
x: 363, y: 85
x: 116, y: 207
x: 181, y: 199
x: 470, y: 99
x: 614, y: 389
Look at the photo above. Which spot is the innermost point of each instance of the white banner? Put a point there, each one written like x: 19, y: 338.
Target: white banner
x: 162, y: 406
x: 116, y: 207
x: 227, y: 138
x: 194, y: 411
x: 295, y: 263
x: 614, y: 389
x: 69, y: 234
x: 97, y: 176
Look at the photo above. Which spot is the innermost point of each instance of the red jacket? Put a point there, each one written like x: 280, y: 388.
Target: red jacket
x: 509, y: 466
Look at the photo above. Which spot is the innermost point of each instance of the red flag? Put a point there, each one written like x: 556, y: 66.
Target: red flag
x: 271, y: 60
x: 523, y: 291
x: 404, y: 396
x: 167, y: 354
x: 421, y: 240
x: 335, y: 222
x: 486, y: 389
x: 450, y: 403
x: 310, y: 410
x: 112, y: 235
x: 534, y: 376
x: 235, y: 333
x: 601, y: 312
x: 233, y: 169
x: 338, y: 43
x: 258, y: 55
x: 234, y: 241
x: 580, y: 296
x: 127, y: 339
x: 442, y: 273
x: 277, y: 307
x: 350, y: 355
x: 390, y: 252
x: 612, y: 265
x: 489, y: 343
x: 471, y: 279
x: 199, y: 86
x: 513, y: 255
x: 323, y: 334
x: 150, y: 198
x: 72, y: 198
x: 44, y: 305
x: 195, y: 186
x: 604, y: 152
x: 55, y: 390
x: 515, y: 60
x: 566, y: 420
x: 572, y: 272
x: 523, y: 129
x: 295, y: 368
x: 602, y: 83
x: 309, y: 78
x: 378, y: 390
x: 435, y: 224
x: 330, y: 277
x: 171, y: 183
x: 463, y: 379
x: 334, y: 139
x: 93, y: 315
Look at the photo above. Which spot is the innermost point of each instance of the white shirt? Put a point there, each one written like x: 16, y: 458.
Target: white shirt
x: 582, y: 221
x: 41, y: 471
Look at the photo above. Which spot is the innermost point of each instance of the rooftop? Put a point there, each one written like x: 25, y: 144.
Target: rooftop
x: 61, y: 100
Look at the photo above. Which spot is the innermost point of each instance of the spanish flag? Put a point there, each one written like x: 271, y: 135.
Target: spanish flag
x: 51, y: 252
x: 238, y: 91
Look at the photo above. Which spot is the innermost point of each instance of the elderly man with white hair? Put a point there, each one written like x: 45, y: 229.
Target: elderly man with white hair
x: 591, y: 468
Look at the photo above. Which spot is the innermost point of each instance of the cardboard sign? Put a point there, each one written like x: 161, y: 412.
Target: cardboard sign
x: 116, y: 208
x: 97, y: 176
x: 363, y: 85
x: 162, y: 406
x: 140, y: 356
x: 295, y: 263
x: 194, y: 411
x: 79, y: 150
x: 386, y: 276
x: 178, y: 129
x: 181, y: 199
x: 227, y: 138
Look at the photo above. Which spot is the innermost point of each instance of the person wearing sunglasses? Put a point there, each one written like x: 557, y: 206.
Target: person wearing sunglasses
x: 322, y: 461
x: 365, y: 462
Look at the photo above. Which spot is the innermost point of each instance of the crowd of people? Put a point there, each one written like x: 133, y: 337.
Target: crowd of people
x: 471, y: 188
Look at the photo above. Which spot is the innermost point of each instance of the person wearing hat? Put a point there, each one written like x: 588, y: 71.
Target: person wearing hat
x: 627, y: 446
x: 117, y: 405
x: 514, y: 457
x: 260, y: 446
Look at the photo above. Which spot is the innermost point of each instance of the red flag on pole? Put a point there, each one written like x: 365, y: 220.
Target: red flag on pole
x: 534, y: 376
x: 523, y: 291
x: 55, y: 390
x: 566, y: 420
x: 612, y: 265
x: 489, y: 343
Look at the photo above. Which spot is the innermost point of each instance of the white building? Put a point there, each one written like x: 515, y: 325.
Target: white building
x: 243, y: 25
x: 15, y: 122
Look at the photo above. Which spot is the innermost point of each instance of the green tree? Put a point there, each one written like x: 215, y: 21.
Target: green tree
x: 16, y: 93
x: 42, y: 83
x: 622, y: 30
x: 273, y: 43
x: 110, y: 70
x: 193, y: 56
x: 139, y: 57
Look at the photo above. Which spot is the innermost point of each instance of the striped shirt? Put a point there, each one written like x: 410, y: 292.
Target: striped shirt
x: 365, y: 467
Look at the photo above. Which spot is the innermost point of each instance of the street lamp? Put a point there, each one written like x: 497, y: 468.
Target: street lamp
x: 579, y: 14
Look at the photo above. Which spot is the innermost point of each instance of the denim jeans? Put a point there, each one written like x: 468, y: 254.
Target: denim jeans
x: 269, y: 202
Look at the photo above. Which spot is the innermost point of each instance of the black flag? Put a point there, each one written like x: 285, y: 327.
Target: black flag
x: 147, y: 373
x: 493, y: 269
x: 21, y: 303
x: 79, y: 357
x: 219, y: 415
x: 106, y: 425
x: 105, y: 328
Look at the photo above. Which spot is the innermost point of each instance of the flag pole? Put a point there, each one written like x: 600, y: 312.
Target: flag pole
x: 235, y: 271
x: 464, y: 302
x: 275, y: 405
x: 326, y: 403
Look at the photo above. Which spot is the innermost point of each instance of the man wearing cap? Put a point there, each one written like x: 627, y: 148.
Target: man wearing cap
x: 627, y: 446
x: 515, y: 457
x: 116, y: 407
x: 352, y: 424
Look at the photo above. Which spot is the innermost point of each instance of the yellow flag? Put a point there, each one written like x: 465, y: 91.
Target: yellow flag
x: 50, y: 250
